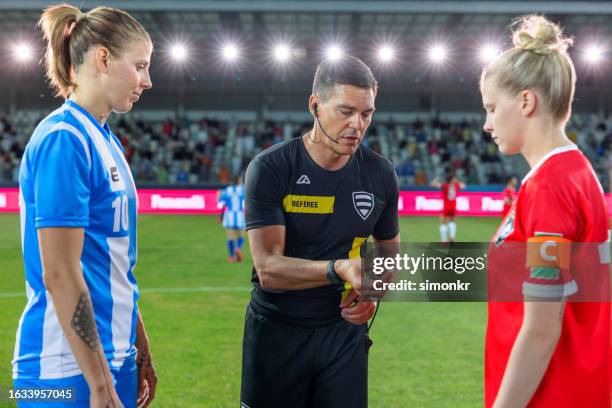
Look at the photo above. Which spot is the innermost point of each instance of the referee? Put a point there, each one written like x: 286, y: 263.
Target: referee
x: 311, y: 202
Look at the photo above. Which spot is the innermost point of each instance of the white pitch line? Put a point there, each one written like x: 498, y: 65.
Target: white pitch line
x: 198, y: 289
x: 213, y: 289
x: 6, y: 295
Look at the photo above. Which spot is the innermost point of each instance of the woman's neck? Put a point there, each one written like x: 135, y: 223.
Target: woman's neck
x: 91, y: 103
x: 542, y: 140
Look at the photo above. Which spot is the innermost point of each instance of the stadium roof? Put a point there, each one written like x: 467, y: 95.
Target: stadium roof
x: 319, y: 17
x: 423, y: 6
x: 359, y: 27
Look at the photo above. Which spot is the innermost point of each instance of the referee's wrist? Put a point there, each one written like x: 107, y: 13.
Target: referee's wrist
x: 332, y: 275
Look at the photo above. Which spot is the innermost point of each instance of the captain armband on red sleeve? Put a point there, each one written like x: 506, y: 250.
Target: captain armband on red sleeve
x: 548, y: 265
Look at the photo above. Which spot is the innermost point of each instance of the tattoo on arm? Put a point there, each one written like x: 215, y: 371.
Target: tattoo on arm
x: 84, y: 323
x: 144, y: 361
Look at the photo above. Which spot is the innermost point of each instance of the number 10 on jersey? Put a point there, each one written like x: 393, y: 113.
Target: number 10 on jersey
x: 121, y: 218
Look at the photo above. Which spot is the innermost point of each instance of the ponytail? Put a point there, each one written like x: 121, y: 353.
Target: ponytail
x: 57, y: 24
x: 70, y: 33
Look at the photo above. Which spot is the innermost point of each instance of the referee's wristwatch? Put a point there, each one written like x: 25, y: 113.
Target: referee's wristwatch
x: 332, y: 275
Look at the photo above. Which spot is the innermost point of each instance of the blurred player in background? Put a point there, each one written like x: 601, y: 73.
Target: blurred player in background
x: 81, y: 329
x: 450, y: 189
x: 547, y: 351
x: 311, y: 202
x: 509, y: 194
x: 231, y: 200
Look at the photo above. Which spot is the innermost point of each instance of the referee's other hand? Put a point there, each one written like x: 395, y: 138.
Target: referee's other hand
x: 355, y: 311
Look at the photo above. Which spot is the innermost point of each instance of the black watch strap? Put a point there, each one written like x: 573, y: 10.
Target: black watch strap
x: 332, y: 275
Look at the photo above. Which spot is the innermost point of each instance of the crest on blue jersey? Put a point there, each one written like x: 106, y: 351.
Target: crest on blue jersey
x: 363, y: 203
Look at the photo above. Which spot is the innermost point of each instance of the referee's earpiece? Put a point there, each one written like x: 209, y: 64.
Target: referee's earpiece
x: 315, y: 106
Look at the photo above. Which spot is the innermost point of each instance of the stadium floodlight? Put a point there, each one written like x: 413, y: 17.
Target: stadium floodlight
x: 437, y: 54
x: 282, y: 53
x: 23, y: 52
x: 333, y: 53
x: 593, y: 54
x: 178, y: 52
x: 386, y: 53
x: 488, y: 53
x: 230, y: 52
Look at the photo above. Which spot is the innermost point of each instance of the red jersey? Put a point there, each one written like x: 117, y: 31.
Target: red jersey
x: 449, y: 196
x: 508, y: 195
x: 450, y: 191
x: 560, y: 197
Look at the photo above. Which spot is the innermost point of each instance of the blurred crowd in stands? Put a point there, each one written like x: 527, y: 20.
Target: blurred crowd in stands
x: 212, y: 151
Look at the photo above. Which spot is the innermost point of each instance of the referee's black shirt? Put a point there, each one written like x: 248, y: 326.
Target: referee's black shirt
x: 327, y: 215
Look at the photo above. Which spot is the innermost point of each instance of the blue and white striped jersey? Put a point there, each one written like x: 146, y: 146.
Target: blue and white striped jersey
x: 74, y: 174
x: 232, y: 198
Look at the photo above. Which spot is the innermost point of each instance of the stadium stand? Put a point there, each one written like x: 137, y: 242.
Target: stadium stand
x: 212, y: 151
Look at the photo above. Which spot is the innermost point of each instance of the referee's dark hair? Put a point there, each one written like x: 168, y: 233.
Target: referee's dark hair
x: 348, y: 71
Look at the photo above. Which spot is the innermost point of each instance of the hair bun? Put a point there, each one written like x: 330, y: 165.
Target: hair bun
x: 539, y: 35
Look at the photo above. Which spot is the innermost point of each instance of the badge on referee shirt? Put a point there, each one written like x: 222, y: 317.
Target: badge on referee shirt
x: 363, y: 203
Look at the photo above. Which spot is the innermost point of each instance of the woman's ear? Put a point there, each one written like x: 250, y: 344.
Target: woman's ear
x: 102, y: 56
x: 528, y: 101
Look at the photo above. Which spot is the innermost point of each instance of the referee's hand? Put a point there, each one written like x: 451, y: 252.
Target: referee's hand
x: 356, y: 311
x: 350, y: 271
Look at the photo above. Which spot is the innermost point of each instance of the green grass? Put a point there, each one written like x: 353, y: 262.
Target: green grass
x: 424, y: 354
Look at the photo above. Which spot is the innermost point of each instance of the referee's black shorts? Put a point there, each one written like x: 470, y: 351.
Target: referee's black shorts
x: 287, y: 365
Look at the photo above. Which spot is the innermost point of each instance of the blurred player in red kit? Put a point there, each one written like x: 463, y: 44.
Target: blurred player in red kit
x: 450, y: 189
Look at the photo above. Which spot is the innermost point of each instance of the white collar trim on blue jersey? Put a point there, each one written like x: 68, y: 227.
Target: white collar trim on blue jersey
x: 103, y: 128
x: 547, y: 156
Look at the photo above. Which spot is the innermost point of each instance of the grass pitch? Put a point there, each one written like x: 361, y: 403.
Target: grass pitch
x: 193, y: 303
